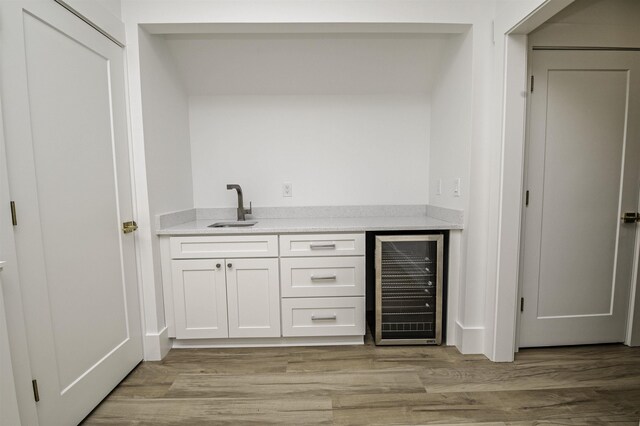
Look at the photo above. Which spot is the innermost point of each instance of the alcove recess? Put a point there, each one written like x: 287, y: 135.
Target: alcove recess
x: 349, y: 114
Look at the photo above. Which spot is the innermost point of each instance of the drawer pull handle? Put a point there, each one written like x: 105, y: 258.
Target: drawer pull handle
x: 323, y: 318
x: 323, y: 246
x: 323, y: 277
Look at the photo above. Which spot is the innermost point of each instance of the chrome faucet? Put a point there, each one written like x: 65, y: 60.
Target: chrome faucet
x: 241, y: 210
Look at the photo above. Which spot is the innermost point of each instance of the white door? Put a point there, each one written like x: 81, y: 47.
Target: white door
x: 582, y: 175
x: 253, y: 294
x: 66, y: 138
x: 200, y: 298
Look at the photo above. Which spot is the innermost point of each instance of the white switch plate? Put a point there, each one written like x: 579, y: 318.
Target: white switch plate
x: 287, y: 189
x: 456, y: 188
x: 439, y: 187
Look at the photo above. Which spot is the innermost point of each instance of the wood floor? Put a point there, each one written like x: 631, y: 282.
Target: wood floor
x: 378, y: 385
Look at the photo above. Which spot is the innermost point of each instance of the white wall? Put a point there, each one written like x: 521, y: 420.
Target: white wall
x: 344, y: 118
x: 334, y: 150
x: 113, y: 6
x: 165, y: 119
x: 451, y: 126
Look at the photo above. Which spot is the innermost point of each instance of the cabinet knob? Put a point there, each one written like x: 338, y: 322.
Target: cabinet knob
x: 218, y: 265
x: 229, y: 265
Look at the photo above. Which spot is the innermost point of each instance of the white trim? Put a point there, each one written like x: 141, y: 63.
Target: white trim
x: 503, y: 332
x: 96, y: 15
x: 469, y: 340
x: 511, y: 197
x: 453, y: 286
x: 303, y: 28
x: 268, y: 342
x: 156, y: 345
x: 539, y: 16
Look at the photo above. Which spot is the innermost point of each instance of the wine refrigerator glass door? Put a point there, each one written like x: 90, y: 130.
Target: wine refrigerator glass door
x: 409, y: 289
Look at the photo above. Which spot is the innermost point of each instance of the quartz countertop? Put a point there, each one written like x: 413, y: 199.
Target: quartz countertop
x: 313, y: 224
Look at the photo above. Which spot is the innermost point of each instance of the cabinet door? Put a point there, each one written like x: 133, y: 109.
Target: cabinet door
x: 200, y: 298
x: 254, y: 297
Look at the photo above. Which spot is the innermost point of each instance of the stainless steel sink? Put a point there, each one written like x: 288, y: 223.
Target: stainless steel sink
x: 234, y: 224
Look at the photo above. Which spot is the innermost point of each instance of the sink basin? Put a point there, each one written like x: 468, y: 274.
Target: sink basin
x: 234, y: 224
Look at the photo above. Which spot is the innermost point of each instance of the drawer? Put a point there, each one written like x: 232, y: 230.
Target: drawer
x: 322, y: 276
x: 326, y: 316
x: 224, y: 246
x: 322, y: 245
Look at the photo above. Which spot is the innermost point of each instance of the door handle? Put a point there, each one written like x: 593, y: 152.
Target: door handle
x: 323, y: 317
x: 129, y: 227
x: 630, y: 217
x: 323, y: 277
x: 322, y: 246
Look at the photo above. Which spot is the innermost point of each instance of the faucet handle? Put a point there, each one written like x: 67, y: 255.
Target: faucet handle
x: 248, y: 211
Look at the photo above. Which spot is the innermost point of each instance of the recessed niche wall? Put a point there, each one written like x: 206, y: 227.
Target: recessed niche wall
x: 346, y: 118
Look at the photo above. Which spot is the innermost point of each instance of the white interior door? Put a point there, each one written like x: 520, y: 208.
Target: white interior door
x: 63, y: 94
x: 582, y: 175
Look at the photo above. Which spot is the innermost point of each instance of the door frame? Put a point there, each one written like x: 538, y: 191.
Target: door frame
x: 505, y: 331
x: 101, y: 19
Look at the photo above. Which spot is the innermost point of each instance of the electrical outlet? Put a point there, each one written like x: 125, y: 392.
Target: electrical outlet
x: 287, y: 189
x: 439, y: 187
x: 456, y: 188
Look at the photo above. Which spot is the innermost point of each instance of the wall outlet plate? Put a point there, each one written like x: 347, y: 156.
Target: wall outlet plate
x: 287, y: 189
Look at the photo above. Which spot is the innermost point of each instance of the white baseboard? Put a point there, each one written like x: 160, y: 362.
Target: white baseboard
x: 469, y: 340
x: 267, y: 342
x: 156, y: 345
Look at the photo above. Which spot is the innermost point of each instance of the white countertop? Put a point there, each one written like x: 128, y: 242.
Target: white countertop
x: 314, y: 224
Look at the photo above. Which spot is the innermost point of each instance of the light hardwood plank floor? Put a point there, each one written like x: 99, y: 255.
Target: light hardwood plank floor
x: 364, y: 385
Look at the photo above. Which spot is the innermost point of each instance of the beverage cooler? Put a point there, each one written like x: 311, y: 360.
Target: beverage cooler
x: 408, y: 289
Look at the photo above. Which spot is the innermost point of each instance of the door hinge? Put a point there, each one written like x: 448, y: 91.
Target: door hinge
x: 14, y: 216
x: 526, y: 198
x: 532, y: 79
x: 36, y: 394
x: 630, y: 217
x: 129, y: 227
x: 522, y: 304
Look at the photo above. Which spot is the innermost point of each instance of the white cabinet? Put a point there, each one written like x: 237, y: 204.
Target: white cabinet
x: 253, y: 298
x: 317, y: 245
x: 323, y: 276
x: 200, y: 298
x: 326, y: 316
x: 323, y: 285
x: 230, y: 296
x: 237, y: 287
x: 224, y: 246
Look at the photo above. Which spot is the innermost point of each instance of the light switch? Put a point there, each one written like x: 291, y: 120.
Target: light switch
x: 456, y: 187
x: 439, y: 187
x: 287, y: 189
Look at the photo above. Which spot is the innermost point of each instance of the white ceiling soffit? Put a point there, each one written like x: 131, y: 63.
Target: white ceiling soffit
x: 308, y: 64
x: 329, y: 27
